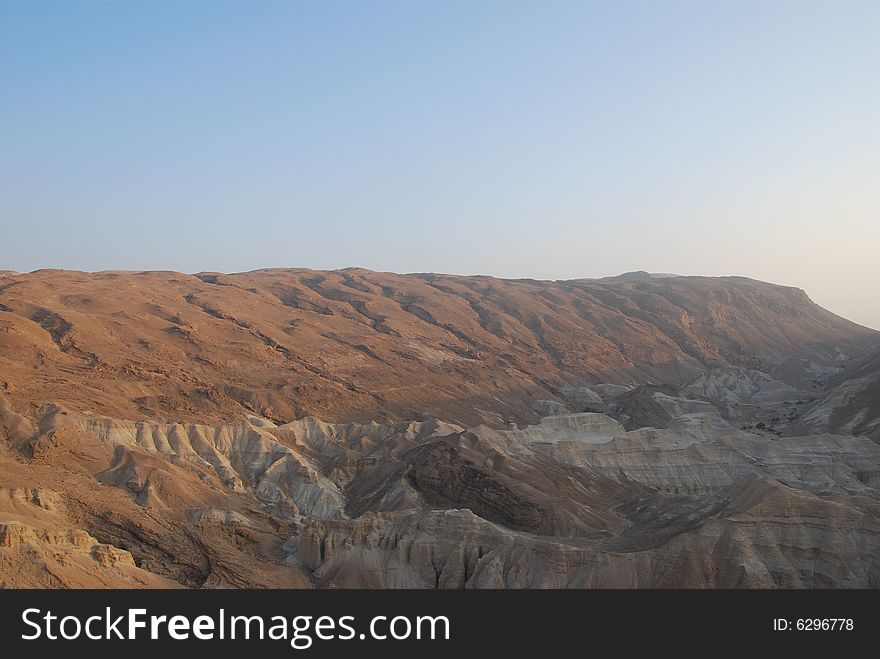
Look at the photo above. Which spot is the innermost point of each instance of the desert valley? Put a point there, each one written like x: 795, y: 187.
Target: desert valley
x: 350, y: 428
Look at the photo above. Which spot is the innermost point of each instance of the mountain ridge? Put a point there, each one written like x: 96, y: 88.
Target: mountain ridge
x: 357, y: 345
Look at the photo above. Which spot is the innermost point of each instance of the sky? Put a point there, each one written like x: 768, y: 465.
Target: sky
x: 541, y: 139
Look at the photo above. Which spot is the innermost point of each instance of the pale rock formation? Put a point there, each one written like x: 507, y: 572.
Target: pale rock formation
x: 737, y: 386
x: 549, y: 408
x: 573, y: 501
x: 675, y: 406
x: 32, y: 557
x: 587, y: 427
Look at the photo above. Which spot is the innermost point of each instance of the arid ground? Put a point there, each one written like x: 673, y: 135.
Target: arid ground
x: 350, y: 428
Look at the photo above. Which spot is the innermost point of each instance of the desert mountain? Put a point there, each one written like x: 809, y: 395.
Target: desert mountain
x: 355, y: 345
x: 295, y: 428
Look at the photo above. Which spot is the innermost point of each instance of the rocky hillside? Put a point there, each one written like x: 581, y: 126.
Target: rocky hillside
x: 355, y: 345
x: 574, y: 501
x: 849, y: 402
x: 356, y: 429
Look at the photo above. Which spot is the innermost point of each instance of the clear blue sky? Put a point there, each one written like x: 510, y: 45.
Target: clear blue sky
x: 542, y: 139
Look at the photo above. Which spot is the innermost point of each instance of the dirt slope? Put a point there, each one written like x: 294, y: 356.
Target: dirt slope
x: 356, y: 345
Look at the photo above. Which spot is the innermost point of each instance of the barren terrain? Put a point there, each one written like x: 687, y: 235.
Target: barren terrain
x: 299, y: 428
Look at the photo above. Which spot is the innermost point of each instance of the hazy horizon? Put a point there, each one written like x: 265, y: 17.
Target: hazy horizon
x: 553, y: 140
